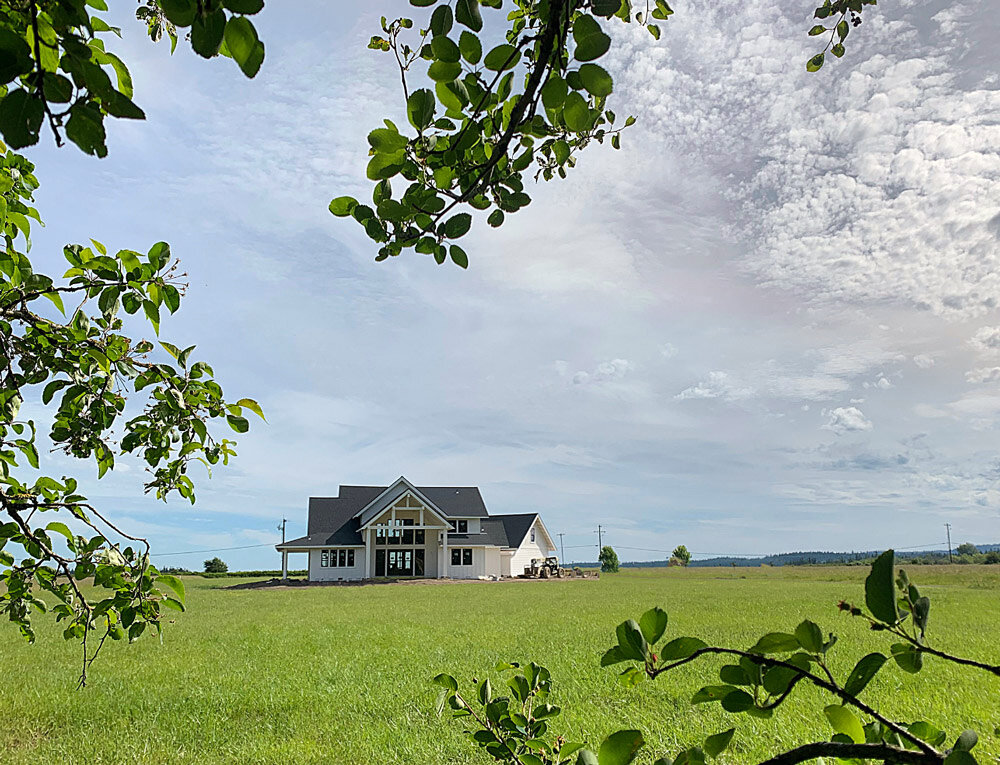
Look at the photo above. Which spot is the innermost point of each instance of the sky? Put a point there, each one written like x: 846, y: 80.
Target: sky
x: 771, y: 322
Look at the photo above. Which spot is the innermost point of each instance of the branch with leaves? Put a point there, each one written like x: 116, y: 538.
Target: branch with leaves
x: 757, y: 683
x: 490, y: 118
x: 106, y: 393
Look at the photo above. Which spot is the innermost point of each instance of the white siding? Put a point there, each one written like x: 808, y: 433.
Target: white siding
x: 528, y: 550
x: 319, y: 574
x: 485, y: 562
x: 505, y: 558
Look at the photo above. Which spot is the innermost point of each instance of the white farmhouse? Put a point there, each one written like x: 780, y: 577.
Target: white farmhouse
x: 415, y: 531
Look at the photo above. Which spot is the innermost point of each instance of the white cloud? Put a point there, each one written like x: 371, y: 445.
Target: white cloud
x: 846, y: 419
x: 717, y: 385
x: 606, y: 371
x: 668, y: 350
x: 923, y: 361
x: 983, y: 374
x: 986, y: 339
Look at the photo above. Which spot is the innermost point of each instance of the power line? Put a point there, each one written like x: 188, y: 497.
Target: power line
x: 217, y: 549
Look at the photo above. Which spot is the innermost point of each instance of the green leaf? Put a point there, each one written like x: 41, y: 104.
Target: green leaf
x: 606, y: 8
x: 445, y: 49
x: 467, y: 14
x: 470, y: 47
x: 61, y: 528
x: 596, y: 80
x: 21, y: 117
x: 844, y: 721
x: 443, y: 71
x: 501, y: 58
x: 420, y: 106
x: 457, y: 226
x: 239, y: 424
x: 179, y: 12
x: 441, y: 20
x: 241, y: 39
x: 960, y: 757
x: 929, y: 733
x: 591, y: 42
x: 717, y: 744
x: 586, y: 757
x: 776, y: 642
x: 966, y: 741
x: 863, y: 673
x: 244, y: 6
x: 620, y: 748
x: 343, y: 206
x: 496, y: 218
x: 681, y: 648
x: 631, y: 641
x: 554, y: 92
x: 57, y: 301
x: 386, y: 141
x: 810, y: 636
x: 458, y: 256
x: 815, y: 63
x: 576, y: 113
x: 446, y: 681
x: 653, y: 624
x: 207, y: 33
x: 907, y: 657
x: 85, y: 128
x: 173, y: 583
x: 880, y: 592
x: 383, y: 166
x: 837, y: 50
x: 253, y: 406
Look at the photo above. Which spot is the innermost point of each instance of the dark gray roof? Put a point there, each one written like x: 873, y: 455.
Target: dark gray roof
x: 333, y: 521
x: 457, y: 501
x: 515, y: 526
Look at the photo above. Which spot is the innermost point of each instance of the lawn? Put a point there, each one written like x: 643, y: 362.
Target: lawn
x: 340, y: 674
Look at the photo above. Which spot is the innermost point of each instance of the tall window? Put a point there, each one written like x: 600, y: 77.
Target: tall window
x: 532, y: 533
x: 462, y: 527
x: 461, y: 556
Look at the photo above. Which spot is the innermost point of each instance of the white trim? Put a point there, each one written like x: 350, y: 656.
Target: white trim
x: 416, y: 492
x: 425, y: 504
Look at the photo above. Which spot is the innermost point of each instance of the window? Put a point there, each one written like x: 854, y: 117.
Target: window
x: 337, y: 558
x: 532, y: 533
x: 461, y: 556
x: 462, y: 527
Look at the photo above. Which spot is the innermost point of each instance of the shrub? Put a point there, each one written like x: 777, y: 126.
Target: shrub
x: 216, y: 566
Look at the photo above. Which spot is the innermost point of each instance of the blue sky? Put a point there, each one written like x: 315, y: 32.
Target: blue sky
x: 769, y: 323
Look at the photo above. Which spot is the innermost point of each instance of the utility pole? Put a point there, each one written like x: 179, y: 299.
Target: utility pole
x: 600, y: 545
x: 281, y: 528
x: 562, y: 550
x: 948, y: 527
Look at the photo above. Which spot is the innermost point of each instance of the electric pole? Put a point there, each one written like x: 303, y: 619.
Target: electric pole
x: 562, y: 550
x: 600, y: 545
x: 948, y: 527
x: 281, y: 528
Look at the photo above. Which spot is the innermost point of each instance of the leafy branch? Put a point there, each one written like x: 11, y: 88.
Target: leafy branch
x: 760, y: 681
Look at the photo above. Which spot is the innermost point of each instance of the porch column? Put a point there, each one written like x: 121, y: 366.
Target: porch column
x: 443, y: 570
x: 284, y: 564
x: 369, y: 554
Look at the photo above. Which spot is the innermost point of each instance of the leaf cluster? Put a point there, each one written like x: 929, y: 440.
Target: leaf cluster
x: 55, y: 65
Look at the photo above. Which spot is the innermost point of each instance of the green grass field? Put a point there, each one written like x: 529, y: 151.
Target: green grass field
x: 341, y: 674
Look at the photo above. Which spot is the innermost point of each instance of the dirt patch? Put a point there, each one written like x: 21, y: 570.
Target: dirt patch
x: 295, y: 583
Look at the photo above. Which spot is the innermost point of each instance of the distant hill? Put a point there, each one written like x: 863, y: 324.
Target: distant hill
x: 809, y: 558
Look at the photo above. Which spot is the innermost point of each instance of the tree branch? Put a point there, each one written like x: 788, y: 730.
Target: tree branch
x: 882, y: 752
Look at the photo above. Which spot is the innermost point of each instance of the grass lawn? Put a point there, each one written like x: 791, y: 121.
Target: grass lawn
x: 340, y: 674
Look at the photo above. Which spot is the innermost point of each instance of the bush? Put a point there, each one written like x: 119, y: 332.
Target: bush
x: 682, y: 554
x: 216, y: 566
